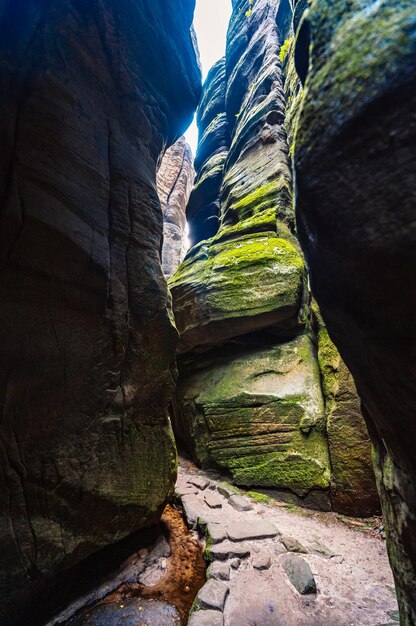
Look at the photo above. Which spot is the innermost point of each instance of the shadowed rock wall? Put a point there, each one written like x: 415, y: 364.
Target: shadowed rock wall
x: 356, y: 196
x: 91, y: 94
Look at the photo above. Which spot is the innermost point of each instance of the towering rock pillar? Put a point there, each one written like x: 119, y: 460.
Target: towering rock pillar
x: 262, y: 390
x: 90, y: 95
x: 355, y: 162
x: 252, y: 401
x: 175, y: 178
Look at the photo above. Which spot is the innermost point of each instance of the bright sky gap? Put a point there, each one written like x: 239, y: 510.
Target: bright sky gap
x: 211, y: 22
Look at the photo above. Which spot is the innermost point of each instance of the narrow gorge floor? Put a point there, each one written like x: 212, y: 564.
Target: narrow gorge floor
x: 270, y: 564
x: 261, y: 551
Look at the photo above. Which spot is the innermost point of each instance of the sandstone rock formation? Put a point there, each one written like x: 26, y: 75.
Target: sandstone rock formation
x: 203, y: 208
x: 175, y: 178
x: 91, y: 94
x: 356, y: 196
x: 252, y: 397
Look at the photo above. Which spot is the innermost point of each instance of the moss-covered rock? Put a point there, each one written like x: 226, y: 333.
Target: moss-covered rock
x: 356, y: 196
x: 353, y: 488
x: 237, y: 286
x: 259, y: 413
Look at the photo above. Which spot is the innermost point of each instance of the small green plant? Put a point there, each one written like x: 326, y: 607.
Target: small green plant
x: 249, y: 13
x: 285, y: 49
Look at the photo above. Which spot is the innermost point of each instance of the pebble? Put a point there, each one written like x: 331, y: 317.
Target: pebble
x: 293, y: 545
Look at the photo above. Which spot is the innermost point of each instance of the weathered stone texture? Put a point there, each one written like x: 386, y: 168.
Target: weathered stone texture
x: 356, y: 196
x: 175, y: 178
x: 91, y: 94
x: 203, y: 208
x: 258, y: 411
x: 257, y: 403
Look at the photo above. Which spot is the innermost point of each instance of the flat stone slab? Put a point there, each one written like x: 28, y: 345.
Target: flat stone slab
x: 185, y: 490
x: 244, y: 529
x: 299, y: 574
x: 206, y: 618
x: 216, y: 532
x: 228, y: 550
x: 199, y: 482
x: 213, y: 500
x: 192, y: 508
x: 213, y: 595
x: 132, y: 612
x: 240, y: 504
x: 219, y: 570
x: 227, y: 490
x: 262, y: 562
x: 293, y: 545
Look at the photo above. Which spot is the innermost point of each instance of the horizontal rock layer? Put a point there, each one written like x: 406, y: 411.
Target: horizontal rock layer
x: 253, y: 404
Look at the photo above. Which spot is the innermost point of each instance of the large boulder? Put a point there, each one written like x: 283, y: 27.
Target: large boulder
x: 229, y: 288
x: 91, y: 94
x: 356, y: 195
x: 258, y: 412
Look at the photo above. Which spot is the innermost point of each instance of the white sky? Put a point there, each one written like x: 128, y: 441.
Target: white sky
x: 211, y: 23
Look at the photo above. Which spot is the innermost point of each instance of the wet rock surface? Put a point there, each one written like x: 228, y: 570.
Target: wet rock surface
x: 342, y: 578
x: 132, y: 613
x: 155, y: 586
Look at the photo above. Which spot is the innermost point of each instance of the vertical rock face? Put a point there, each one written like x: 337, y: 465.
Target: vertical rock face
x: 175, y: 178
x: 203, y: 208
x: 91, y: 94
x: 356, y: 196
x: 352, y: 478
x: 251, y: 406
x: 250, y: 395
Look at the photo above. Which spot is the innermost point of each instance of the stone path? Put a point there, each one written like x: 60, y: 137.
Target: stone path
x: 275, y: 566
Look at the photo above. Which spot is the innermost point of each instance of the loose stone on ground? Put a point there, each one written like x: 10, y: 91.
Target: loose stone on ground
x: 213, y: 595
x: 206, y: 618
x: 300, y: 574
x: 254, y: 549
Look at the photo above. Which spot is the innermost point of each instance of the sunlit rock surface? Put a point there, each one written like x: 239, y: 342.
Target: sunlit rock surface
x: 175, y: 178
x: 203, y: 209
x: 91, y: 94
x: 356, y: 195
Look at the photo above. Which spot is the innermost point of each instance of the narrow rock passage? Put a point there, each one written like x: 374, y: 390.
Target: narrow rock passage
x: 276, y: 565
x: 161, y: 583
